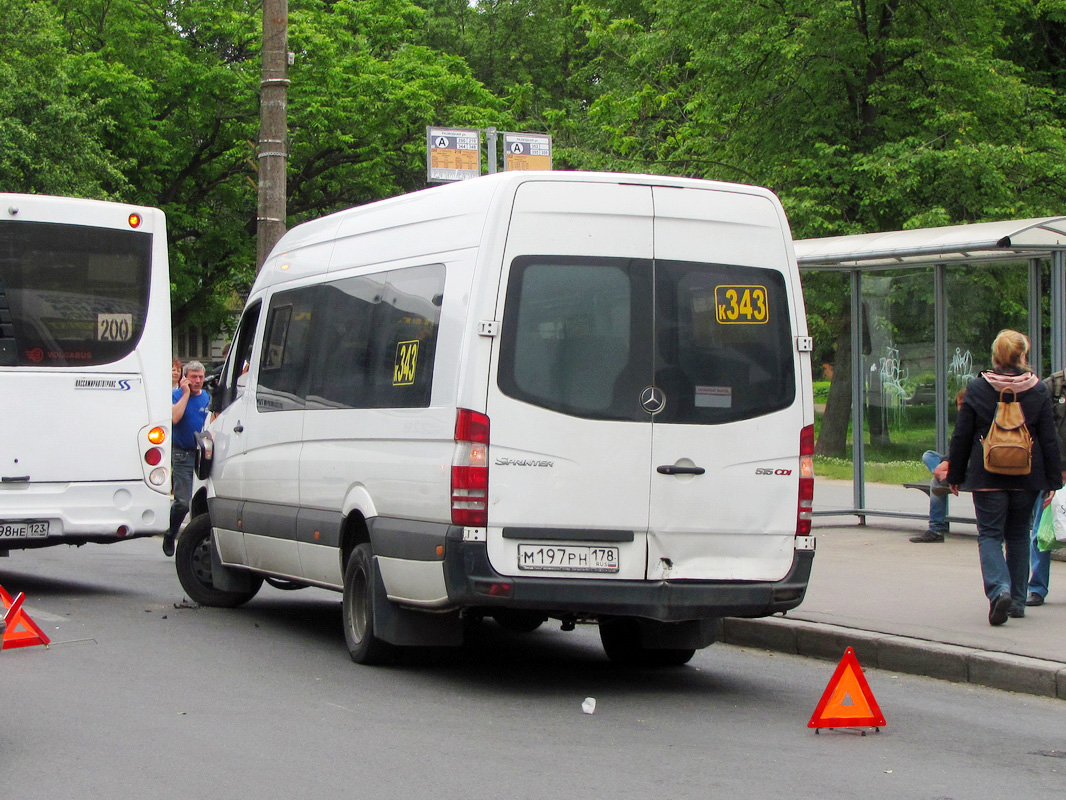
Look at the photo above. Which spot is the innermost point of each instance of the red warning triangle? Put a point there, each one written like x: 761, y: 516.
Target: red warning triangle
x: 20, y: 631
x: 847, y: 701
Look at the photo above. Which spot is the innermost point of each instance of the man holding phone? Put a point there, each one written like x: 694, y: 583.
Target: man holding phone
x: 189, y: 413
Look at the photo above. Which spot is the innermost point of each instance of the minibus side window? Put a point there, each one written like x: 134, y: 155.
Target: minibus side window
x: 405, y: 338
x: 234, y: 377
x: 286, y: 350
x: 376, y: 340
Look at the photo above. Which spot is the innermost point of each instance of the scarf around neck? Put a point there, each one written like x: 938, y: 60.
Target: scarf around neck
x: 1019, y: 383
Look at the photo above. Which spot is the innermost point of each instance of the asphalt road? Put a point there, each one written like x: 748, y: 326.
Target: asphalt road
x: 141, y: 695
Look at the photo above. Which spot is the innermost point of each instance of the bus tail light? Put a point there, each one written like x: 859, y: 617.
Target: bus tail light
x: 470, y: 470
x: 805, y: 506
x: 155, y: 455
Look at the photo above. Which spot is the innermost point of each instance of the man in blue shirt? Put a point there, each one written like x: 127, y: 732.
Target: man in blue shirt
x: 189, y: 414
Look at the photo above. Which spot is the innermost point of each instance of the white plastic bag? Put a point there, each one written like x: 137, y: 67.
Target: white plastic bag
x: 1051, y: 535
x: 1058, y: 506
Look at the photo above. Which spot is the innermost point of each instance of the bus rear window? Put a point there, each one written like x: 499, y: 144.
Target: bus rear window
x: 71, y: 295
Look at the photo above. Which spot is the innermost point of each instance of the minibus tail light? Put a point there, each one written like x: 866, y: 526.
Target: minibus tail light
x: 470, y: 469
x: 805, y: 505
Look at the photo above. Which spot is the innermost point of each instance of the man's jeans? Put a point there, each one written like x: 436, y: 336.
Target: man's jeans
x: 938, y: 506
x: 181, y: 465
x: 1040, y: 560
x: 1003, y: 520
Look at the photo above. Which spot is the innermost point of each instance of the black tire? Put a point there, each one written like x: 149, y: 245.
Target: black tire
x: 357, y: 610
x: 192, y: 560
x: 518, y: 620
x: 284, y: 585
x: 622, y: 643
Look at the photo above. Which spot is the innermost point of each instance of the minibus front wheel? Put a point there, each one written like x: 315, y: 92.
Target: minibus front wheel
x: 201, y: 576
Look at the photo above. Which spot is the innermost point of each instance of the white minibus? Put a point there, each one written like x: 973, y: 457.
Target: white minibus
x: 85, y: 352
x: 531, y: 395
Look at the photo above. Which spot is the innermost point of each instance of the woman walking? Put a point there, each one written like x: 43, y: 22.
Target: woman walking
x: 1004, y: 503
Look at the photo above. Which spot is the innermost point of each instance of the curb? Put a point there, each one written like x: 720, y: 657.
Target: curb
x: 948, y: 662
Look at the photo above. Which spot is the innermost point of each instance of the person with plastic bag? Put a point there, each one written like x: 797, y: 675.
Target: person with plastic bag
x: 1040, y: 560
x: 1004, y: 502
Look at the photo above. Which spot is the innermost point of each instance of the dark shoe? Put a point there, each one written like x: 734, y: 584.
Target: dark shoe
x: 168, y: 545
x: 928, y: 536
x: 1016, y: 612
x: 939, y: 488
x: 998, y: 609
x: 1034, y: 599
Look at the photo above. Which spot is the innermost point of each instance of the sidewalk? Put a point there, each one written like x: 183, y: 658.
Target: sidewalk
x: 916, y: 608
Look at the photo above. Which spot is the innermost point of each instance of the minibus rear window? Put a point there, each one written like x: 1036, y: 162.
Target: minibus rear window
x: 580, y: 337
x: 723, y: 348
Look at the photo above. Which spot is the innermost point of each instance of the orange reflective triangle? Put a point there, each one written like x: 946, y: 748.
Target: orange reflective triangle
x: 847, y: 700
x: 20, y: 631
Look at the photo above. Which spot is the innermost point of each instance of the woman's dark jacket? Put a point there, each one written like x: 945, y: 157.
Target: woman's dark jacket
x: 966, y: 456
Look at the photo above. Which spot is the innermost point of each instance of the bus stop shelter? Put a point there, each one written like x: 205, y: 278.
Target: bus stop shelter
x: 1039, y: 244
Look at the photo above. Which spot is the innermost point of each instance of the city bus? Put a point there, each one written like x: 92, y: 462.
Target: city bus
x: 85, y: 355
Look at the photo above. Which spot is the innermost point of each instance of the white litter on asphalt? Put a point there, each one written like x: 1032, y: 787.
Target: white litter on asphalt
x: 589, y: 705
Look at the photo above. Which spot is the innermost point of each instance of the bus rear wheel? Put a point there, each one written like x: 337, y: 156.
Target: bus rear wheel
x: 192, y: 560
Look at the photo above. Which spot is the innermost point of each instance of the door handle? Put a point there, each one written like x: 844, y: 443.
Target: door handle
x: 238, y: 428
x: 671, y: 469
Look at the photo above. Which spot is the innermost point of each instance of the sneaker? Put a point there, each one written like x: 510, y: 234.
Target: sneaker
x: 999, y: 608
x: 928, y: 536
x: 1016, y: 612
x: 1034, y: 599
x: 939, y: 488
x: 168, y: 545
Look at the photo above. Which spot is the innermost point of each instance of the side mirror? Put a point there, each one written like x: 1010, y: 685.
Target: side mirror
x: 205, y: 452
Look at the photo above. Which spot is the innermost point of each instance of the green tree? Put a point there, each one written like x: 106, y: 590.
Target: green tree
x: 52, y: 133
x: 176, y: 84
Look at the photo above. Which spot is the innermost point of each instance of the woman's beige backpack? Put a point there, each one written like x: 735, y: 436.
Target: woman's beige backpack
x: 1008, y: 446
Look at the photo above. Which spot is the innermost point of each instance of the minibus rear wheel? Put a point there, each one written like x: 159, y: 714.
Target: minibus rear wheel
x: 357, y: 610
x: 192, y: 560
x: 622, y: 642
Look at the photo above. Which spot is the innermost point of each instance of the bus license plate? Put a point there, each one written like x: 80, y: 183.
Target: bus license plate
x: 31, y: 529
x: 568, y: 558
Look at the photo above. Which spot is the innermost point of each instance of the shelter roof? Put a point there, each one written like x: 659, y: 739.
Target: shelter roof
x: 981, y: 241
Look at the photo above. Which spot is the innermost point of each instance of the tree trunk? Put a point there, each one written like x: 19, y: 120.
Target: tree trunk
x: 833, y: 437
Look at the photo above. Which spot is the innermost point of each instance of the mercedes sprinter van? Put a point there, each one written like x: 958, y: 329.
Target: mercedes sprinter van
x: 531, y: 395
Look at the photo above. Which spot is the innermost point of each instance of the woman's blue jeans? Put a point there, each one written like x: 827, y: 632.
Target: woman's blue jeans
x: 1003, y: 524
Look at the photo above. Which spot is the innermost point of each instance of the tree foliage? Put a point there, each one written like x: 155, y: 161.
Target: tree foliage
x: 863, y: 115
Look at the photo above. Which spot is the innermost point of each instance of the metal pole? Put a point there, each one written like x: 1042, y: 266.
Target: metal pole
x: 1058, y: 310
x: 490, y: 141
x: 1036, y: 332
x: 858, y: 394
x: 940, y: 356
x: 273, y: 102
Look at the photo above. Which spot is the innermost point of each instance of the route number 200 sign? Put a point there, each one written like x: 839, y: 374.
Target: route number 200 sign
x: 741, y: 305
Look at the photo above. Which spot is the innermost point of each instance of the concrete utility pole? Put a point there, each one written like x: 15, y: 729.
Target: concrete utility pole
x: 273, y: 152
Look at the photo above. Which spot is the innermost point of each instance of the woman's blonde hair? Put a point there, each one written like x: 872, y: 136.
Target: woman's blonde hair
x: 1010, y: 349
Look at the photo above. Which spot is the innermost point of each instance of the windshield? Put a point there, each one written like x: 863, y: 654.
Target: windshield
x: 71, y: 295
